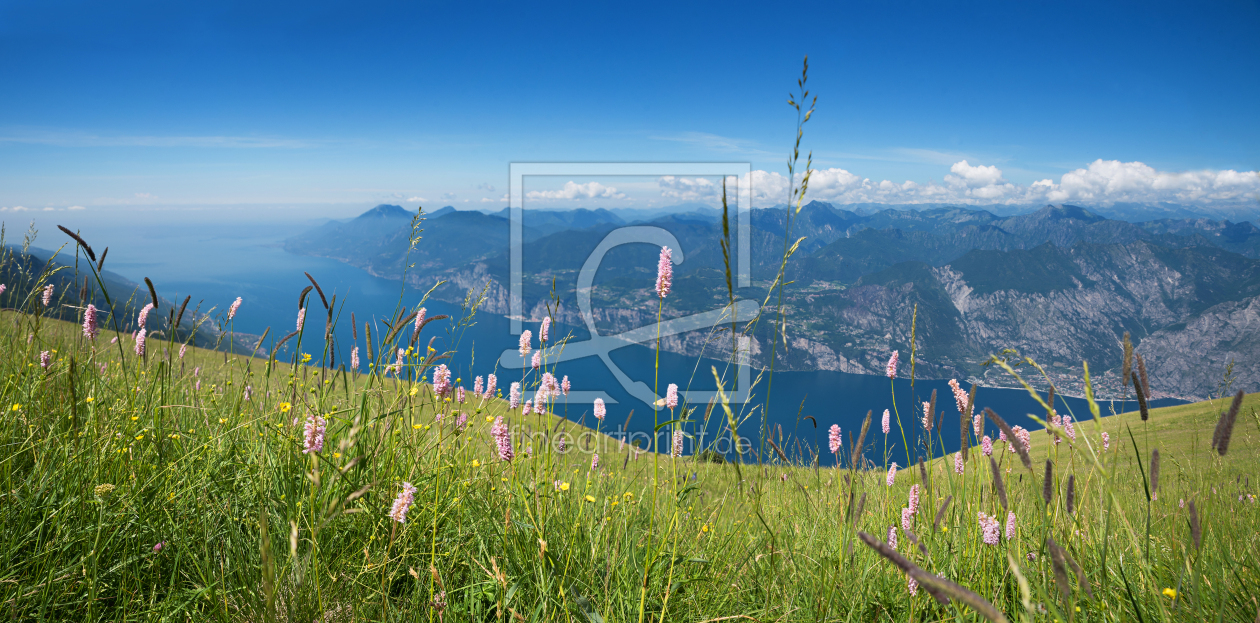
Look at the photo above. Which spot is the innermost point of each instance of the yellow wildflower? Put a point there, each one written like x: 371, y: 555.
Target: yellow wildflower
x: 1170, y: 593
x: 564, y: 486
x: 284, y: 407
x: 414, y: 390
x: 89, y: 399
x: 416, y: 426
x: 476, y: 463
x: 17, y: 407
x: 590, y: 498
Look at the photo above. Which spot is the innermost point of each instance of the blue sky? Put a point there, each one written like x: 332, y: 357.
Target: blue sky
x: 349, y: 104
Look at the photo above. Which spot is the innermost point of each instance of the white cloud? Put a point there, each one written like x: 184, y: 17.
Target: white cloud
x: 573, y: 190
x: 76, y: 208
x: 1107, y: 181
x: 1103, y: 182
x: 979, y: 176
x: 418, y: 200
x: 486, y: 186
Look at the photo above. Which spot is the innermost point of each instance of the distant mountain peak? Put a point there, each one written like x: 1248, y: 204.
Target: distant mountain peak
x: 385, y: 211
x: 1067, y: 211
x: 441, y: 211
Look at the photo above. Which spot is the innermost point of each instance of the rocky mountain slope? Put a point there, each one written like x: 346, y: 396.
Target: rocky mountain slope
x: 1061, y: 285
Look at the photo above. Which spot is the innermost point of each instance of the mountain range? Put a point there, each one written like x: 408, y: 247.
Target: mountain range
x: 1060, y: 284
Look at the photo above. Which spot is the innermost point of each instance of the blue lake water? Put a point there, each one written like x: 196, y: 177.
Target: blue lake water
x: 217, y: 263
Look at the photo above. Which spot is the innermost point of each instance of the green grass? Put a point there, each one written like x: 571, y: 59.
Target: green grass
x: 255, y: 530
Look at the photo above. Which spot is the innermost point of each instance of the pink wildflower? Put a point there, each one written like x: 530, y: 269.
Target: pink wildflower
x: 90, y: 330
x: 461, y: 422
x: 441, y: 380
x: 977, y: 423
x: 906, y: 515
x: 183, y: 348
x: 1024, y: 436
x: 140, y: 343
x: 892, y: 474
x: 459, y: 394
x: 564, y: 385
x: 958, y: 463
x: 419, y: 320
x: 677, y: 446
x: 354, y: 358
x: 664, y: 272
x: 249, y: 391
x: 960, y: 396
x: 44, y: 359
x: 1010, y: 525
x: 158, y: 547
x: 547, y: 388
x: 232, y: 309
x: 600, y: 409
x: 1021, y: 436
x: 892, y: 537
x: 891, y: 372
x: 1069, y: 428
x: 301, y: 318
x: 503, y: 438
x: 671, y: 397
x: 402, y: 503
x: 989, y: 529
x: 529, y: 407
x: 912, y: 585
x: 594, y: 461
x: 834, y: 438
x: 1106, y: 441
x: 525, y: 347
x: 537, y: 360
x: 48, y: 292
x: 144, y: 314
x: 514, y: 395
x: 492, y: 383
x: 986, y: 446
x: 927, y: 416
x: 886, y: 424
x: 478, y: 386
x: 913, y: 502
x: 313, y: 435
x: 544, y: 331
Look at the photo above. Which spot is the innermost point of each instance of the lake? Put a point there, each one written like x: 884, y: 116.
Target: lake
x: 215, y: 263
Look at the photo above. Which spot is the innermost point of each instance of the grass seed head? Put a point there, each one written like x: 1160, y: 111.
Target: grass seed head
x: 1047, y: 483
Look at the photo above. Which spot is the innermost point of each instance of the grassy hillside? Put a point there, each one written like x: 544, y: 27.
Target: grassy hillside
x: 150, y: 488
